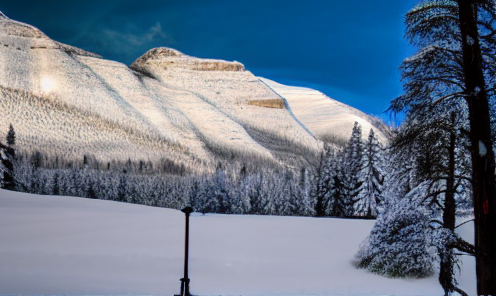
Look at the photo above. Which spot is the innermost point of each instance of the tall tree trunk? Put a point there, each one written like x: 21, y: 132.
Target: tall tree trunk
x: 446, y: 273
x: 483, y: 182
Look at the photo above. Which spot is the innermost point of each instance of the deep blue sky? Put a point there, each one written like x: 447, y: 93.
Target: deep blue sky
x: 348, y: 49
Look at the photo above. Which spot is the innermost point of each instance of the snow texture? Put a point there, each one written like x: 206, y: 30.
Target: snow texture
x: 323, y: 116
x: 67, y: 245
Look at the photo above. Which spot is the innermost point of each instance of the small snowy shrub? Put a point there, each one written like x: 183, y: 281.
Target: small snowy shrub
x: 399, y: 243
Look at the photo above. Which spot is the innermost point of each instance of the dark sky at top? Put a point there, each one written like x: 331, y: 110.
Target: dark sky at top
x: 348, y: 49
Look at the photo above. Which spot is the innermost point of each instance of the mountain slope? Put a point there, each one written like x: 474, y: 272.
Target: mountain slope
x: 326, y: 118
x: 165, y: 105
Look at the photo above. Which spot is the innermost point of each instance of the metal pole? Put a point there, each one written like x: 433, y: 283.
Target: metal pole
x: 185, y: 279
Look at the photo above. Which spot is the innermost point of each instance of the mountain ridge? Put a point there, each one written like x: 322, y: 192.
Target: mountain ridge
x: 208, y: 109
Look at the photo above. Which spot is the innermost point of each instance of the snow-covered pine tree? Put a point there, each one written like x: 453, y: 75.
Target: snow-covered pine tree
x: 11, y: 136
x: 122, y: 188
x: 372, y: 178
x: 348, y: 183
x: 221, y: 191
x: 55, y: 185
x: 442, y: 164
x: 3, y: 168
x: 456, y: 64
x: 399, y: 243
x: 323, y: 182
x: 7, y: 156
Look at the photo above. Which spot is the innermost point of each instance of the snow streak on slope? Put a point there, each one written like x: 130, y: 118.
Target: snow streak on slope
x: 66, y: 245
x: 325, y: 117
x: 231, y: 92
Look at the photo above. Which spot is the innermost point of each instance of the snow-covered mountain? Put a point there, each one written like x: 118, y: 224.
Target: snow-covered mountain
x: 69, y: 102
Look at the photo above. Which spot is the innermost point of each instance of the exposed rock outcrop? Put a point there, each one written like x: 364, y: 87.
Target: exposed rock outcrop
x: 166, y: 58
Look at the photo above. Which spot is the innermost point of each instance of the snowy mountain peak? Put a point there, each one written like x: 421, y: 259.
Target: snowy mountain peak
x: 169, y: 58
x: 3, y: 16
x: 160, y: 52
x: 9, y: 27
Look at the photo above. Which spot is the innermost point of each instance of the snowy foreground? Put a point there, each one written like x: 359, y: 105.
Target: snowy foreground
x: 68, y: 245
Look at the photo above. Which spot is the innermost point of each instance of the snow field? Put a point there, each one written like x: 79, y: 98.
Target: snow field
x: 67, y: 245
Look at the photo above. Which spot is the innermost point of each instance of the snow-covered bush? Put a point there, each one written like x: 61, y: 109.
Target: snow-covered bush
x: 399, y: 244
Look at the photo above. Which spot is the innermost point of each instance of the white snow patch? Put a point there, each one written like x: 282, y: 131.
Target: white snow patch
x: 47, y: 84
x: 65, y: 245
x: 482, y: 149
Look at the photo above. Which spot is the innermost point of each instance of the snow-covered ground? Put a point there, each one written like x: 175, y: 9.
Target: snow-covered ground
x: 67, y: 245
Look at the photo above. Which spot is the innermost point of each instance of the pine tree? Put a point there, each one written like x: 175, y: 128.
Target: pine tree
x: 90, y: 193
x: 456, y: 65
x: 11, y: 137
x: 121, y: 188
x: 56, y: 187
x: 372, y: 178
x: 349, y: 174
x: 441, y: 163
x: 340, y: 202
x: 7, y: 156
x: 323, y: 183
x: 398, y: 245
x: 221, y: 192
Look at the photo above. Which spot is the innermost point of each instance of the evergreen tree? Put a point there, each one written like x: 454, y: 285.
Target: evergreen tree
x: 11, y: 137
x: 456, y: 65
x: 5, y: 166
x: 323, y: 182
x: 121, y: 188
x: 56, y: 187
x: 372, y: 178
x: 398, y: 245
x: 7, y: 156
x: 341, y: 204
x: 441, y: 163
x: 221, y: 192
x: 348, y: 183
x: 90, y: 193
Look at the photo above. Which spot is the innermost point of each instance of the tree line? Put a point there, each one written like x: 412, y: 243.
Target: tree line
x: 346, y: 183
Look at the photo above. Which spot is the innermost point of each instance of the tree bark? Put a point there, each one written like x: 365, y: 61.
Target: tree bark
x: 483, y: 183
x: 446, y: 273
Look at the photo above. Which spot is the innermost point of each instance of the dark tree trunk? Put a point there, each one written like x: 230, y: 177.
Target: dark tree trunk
x: 446, y: 273
x: 483, y: 182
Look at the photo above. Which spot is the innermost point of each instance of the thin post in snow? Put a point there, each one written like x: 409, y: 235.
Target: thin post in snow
x: 185, y: 279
